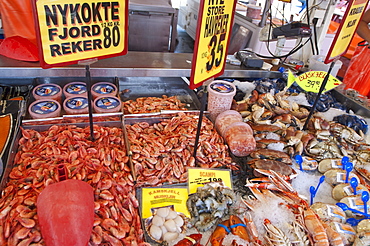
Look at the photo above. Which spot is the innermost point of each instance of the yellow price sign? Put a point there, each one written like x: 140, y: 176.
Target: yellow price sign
x: 198, y: 177
x: 161, y: 197
x: 347, y: 29
x: 311, y: 81
x: 70, y: 31
x: 212, y: 40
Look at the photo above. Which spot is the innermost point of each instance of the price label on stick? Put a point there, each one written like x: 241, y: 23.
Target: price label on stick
x: 212, y: 39
x: 311, y: 81
x: 199, y: 176
x: 70, y: 31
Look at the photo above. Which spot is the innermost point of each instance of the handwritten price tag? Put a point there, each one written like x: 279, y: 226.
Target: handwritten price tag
x: 198, y: 177
x: 311, y: 81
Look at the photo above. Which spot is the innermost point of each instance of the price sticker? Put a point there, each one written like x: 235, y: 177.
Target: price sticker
x: 71, y: 31
x: 161, y: 197
x: 212, y: 40
x: 311, y: 81
x: 198, y: 177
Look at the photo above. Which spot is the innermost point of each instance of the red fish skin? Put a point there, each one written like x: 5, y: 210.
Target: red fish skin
x: 66, y: 213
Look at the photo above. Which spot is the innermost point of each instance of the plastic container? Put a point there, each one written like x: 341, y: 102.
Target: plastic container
x: 75, y: 89
x: 317, y: 64
x: 253, y: 11
x: 76, y: 105
x: 107, y: 104
x: 103, y: 89
x: 225, y: 119
x: 220, y: 97
x: 48, y: 92
x: 42, y: 109
x: 239, y: 138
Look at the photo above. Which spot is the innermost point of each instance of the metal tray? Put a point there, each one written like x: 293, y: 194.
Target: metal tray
x: 14, y: 148
x: 157, y: 87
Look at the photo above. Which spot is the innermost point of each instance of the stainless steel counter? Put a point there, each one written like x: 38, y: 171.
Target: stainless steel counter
x: 134, y: 64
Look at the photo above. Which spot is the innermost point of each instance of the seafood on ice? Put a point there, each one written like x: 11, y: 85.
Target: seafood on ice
x: 210, y: 203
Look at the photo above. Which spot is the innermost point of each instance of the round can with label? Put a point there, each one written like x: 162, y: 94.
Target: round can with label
x: 75, y: 89
x: 42, y: 109
x: 220, y: 97
x: 48, y: 91
x: 107, y: 104
x: 76, y: 105
x: 103, y: 89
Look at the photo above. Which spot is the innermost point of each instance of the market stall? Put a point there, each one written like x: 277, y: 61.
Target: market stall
x: 161, y: 156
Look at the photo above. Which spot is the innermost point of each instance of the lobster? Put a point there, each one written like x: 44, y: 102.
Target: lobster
x: 234, y: 225
x: 191, y: 240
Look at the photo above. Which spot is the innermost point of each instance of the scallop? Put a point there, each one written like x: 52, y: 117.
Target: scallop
x: 172, y: 214
x: 164, y: 230
x: 163, y: 212
x: 158, y: 220
x: 179, y: 221
x: 170, y: 225
x: 155, y: 232
x: 170, y: 236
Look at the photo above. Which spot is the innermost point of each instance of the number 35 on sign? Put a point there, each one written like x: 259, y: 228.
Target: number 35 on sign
x: 212, y: 39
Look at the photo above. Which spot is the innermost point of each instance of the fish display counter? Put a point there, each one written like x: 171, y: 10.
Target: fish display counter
x: 257, y: 177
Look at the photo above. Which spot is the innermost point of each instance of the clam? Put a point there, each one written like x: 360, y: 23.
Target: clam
x: 346, y: 232
x: 329, y: 212
x: 342, y: 190
x: 338, y: 176
x: 363, y: 226
x: 331, y: 163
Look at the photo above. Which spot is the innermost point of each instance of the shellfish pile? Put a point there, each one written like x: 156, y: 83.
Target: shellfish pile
x: 165, y: 225
x: 162, y: 151
x: 101, y: 163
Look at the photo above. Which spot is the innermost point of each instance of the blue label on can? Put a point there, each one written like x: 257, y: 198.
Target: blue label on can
x: 44, y: 107
x: 222, y: 87
x: 76, y: 88
x: 47, y: 90
x: 107, y: 102
x: 77, y: 103
x: 104, y: 88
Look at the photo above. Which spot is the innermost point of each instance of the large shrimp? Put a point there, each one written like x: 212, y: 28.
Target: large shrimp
x: 315, y: 228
